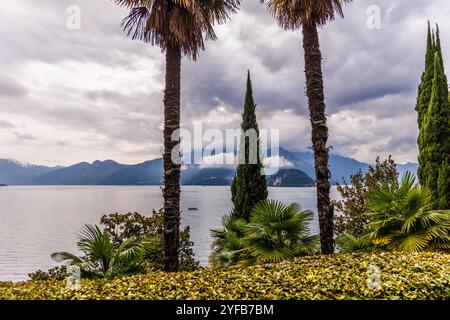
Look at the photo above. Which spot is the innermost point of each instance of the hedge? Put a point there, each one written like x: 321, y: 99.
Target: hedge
x: 339, y: 276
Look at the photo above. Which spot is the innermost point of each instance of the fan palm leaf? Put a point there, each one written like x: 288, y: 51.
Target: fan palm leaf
x: 294, y: 14
x: 279, y: 232
x: 403, y: 219
x: 276, y: 232
x: 183, y: 23
x: 100, y: 257
x: 349, y: 243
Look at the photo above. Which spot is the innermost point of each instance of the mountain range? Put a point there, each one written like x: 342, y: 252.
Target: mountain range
x: 298, y: 171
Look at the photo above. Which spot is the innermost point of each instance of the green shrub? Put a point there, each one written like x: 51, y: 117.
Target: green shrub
x: 132, y: 229
x: 402, y: 219
x: 101, y: 259
x: 351, y: 218
x: 135, y: 227
x: 340, y: 276
x: 56, y: 273
x: 276, y: 232
x: 348, y: 243
x: 228, y: 247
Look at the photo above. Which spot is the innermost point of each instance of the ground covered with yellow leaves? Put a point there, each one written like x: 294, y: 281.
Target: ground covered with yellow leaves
x: 339, y: 276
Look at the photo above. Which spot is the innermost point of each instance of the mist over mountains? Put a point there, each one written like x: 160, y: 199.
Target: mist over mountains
x: 297, y: 171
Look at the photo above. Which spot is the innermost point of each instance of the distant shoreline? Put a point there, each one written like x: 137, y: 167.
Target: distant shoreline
x: 131, y: 185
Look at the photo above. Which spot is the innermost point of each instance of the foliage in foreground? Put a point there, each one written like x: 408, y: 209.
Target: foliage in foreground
x: 101, y: 259
x: 339, y: 276
x: 56, y: 273
x: 136, y: 228
x: 402, y: 220
x: 276, y: 232
x: 132, y: 229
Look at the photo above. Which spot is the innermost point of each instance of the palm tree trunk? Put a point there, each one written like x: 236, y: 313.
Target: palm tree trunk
x: 171, y: 191
x: 316, y: 98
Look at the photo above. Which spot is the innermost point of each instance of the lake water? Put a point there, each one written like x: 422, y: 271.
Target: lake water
x: 36, y: 221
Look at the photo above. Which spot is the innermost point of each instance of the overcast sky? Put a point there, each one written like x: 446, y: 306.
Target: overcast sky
x: 69, y: 95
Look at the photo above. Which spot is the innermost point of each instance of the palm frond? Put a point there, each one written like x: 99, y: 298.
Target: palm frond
x: 100, y: 257
x: 182, y: 23
x: 294, y: 14
x: 403, y: 220
x: 348, y: 243
x: 66, y: 257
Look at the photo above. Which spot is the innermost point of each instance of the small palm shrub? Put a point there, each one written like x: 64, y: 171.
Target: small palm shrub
x: 134, y: 228
x: 348, y: 243
x: 100, y: 258
x: 402, y: 220
x: 228, y: 247
x: 276, y: 232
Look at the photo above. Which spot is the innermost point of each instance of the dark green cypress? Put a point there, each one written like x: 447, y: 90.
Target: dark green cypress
x: 438, y: 50
x: 249, y: 185
x: 443, y: 185
x: 436, y: 138
x: 423, y: 99
x: 437, y: 46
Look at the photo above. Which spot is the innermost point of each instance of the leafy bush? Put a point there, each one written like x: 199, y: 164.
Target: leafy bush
x: 340, y: 276
x: 355, y: 201
x: 131, y: 229
x: 135, y: 227
x: 276, y: 232
x: 56, y: 273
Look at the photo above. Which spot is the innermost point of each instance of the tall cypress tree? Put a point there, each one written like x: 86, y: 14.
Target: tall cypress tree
x: 423, y: 100
x: 443, y: 201
x: 443, y: 182
x: 438, y: 48
x: 249, y: 185
x: 436, y: 138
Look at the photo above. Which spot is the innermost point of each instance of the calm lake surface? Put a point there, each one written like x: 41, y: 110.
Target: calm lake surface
x: 36, y: 221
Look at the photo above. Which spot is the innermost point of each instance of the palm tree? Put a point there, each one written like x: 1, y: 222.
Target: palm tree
x: 403, y: 218
x: 348, y: 243
x: 228, y: 247
x: 178, y: 27
x: 276, y: 232
x: 101, y: 258
x: 310, y: 14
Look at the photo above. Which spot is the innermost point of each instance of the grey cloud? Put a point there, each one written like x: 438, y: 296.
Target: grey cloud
x: 6, y: 124
x: 24, y: 136
x: 366, y: 73
x: 11, y: 89
x: 401, y: 144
